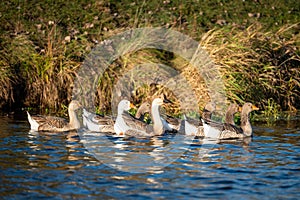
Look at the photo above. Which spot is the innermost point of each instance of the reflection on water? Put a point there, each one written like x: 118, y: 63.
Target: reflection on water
x: 135, y: 155
x: 64, y: 165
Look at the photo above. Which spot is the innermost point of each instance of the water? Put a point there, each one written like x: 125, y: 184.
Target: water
x: 50, y: 165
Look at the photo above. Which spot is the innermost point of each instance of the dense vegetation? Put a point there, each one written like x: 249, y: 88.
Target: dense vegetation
x: 43, y: 44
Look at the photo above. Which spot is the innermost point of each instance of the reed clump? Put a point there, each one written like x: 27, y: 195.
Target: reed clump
x: 6, y: 82
x: 45, y: 70
x: 41, y: 52
x: 258, y: 66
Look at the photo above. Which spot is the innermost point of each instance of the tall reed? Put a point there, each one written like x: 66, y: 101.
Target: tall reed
x: 46, y: 70
x: 7, y: 83
x: 258, y: 66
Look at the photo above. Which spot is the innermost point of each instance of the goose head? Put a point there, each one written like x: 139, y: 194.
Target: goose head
x: 145, y: 108
x: 247, y: 108
x: 74, y: 105
x: 158, y: 101
x: 124, y: 105
x: 208, y: 110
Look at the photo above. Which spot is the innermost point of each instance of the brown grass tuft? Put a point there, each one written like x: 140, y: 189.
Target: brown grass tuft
x: 258, y: 66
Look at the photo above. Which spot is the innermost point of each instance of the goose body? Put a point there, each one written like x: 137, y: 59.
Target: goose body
x: 56, y: 124
x: 136, y: 127
x: 227, y: 131
x: 171, y: 124
x: 120, y: 127
x: 100, y: 123
x: 194, y: 126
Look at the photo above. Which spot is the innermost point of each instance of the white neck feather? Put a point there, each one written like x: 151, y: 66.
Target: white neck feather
x: 157, y: 123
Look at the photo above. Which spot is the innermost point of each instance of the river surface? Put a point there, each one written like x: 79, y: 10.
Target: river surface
x: 96, y: 166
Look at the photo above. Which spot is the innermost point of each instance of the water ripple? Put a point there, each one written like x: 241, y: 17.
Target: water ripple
x: 58, y: 165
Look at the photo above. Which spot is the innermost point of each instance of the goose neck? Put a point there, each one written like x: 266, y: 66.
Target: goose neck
x: 245, y: 124
x: 229, y: 118
x: 157, y: 123
x: 74, y: 122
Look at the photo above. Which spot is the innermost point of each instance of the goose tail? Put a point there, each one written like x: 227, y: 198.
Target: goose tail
x: 33, y: 124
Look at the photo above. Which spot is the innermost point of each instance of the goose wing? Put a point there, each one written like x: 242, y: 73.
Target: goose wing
x: 100, y: 126
x: 216, y: 125
x: 98, y: 119
x: 232, y: 128
x: 104, y: 120
x: 50, y: 122
x: 101, y: 119
x: 172, y: 120
x: 171, y: 124
x: 226, y: 131
x: 223, y: 126
x: 136, y: 125
x: 194, y: 122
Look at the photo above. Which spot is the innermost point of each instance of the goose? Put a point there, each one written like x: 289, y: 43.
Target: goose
x: 229, y: 131
x: 195, y: 127
x: 171, y: 124
x: 100, y: 123
x: 134, y: 127
x: 56, y: 124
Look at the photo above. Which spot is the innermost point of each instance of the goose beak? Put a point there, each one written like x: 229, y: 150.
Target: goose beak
x: 132, y: 106
x: 240, y: 109
x: 254, y: 107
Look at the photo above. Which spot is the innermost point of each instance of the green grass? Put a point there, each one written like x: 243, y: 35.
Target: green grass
x: 255, y: 43
x: 258, y: 66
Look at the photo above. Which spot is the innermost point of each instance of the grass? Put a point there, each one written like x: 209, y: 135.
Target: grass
x: 46, y: 76
x: 6, y: 82
x: 258, y: 66
x: 41, y: 49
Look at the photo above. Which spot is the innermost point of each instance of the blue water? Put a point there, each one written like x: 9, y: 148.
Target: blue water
x: 65, y: 165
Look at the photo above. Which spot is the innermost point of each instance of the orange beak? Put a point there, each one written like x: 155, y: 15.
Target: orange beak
x: 254, y: 107
x: 131, y: 105
x: 240, y: 109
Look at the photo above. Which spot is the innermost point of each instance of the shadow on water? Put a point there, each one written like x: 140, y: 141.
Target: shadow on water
x: 59, y: 165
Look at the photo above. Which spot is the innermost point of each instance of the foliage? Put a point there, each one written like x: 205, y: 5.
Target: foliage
x: 258, y: 66
x: 43, y: 44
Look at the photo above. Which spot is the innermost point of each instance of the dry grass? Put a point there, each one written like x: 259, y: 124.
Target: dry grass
x: 40, y: 52
x: 258, y: 66
x: 6, y: 82
x: 46, y: 71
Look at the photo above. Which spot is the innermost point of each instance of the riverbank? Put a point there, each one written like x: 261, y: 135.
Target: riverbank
x: 43, y: 44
